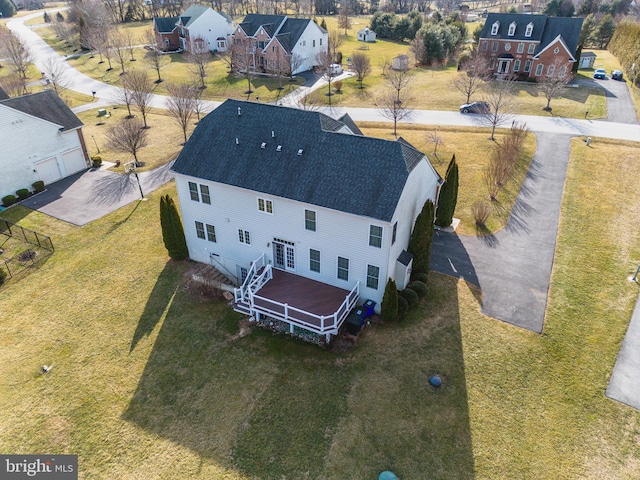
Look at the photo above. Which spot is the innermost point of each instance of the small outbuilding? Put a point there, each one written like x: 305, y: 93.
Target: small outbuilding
x: 587, y: 60
x: 401, y: 62
x: 366, y: 35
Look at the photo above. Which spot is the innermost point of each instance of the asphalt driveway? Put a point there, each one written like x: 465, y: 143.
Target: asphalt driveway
x: 89, y: 195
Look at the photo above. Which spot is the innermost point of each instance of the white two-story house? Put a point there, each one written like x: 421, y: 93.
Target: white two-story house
x: 41, y: 140
x: 302, y: 210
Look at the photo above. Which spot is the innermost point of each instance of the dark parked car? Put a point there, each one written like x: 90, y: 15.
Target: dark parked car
x: 616, y: 74
x: 475, y: 107
x: 600, y: 73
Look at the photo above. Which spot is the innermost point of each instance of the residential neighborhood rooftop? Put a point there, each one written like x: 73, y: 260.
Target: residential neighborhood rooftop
x: 46, y: 105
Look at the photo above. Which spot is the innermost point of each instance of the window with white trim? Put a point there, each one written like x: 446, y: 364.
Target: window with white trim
x: 343, y: 268
x: 551, y: 69
x: 494, y: 28
x: 373, y: 276
x: 395, y: 231
x: 529, y: 30
x: 375, y: 236
x: 494, y: 46
x: 512, y: 29
x: 539, y: 69
x: 310, y: 220
x: 520, y: 48
x: 314, y: 260
x: 507, y: 47
x: 200, y: 229
x: 485, y: 46
x: 211, y: 233
x: 516, y: 66
x: 556, y: 50
x: 193, y: 191
x: 563, y: 71
x: 244, y: 236
x: 527, y: 66
x: 531, y: 49
x: 265, y: 205
x: 492, y: 63
x: 204, y: 194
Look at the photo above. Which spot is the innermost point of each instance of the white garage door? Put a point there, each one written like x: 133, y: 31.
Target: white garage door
x: 48, y: 170
x: 73, y: 161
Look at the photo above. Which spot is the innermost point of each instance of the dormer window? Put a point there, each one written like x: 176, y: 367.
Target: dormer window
x: 512, y: 29
x: 494, y: 28
x: 529, y: 30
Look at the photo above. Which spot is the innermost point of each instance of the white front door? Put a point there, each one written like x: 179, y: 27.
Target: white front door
x: 284, y: 256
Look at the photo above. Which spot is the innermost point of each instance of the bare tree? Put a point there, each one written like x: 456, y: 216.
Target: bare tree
x: 154, y: 57
x: 129, y: 137
x: 417, y: 49
x: 130, y: 43
x: 500, y: 95
x: 325, y: 69
x: 17, y: 54
x: 199, y: 57
x: 335, y: 42
x: 436, y: 139
x: 141, y: 88
x: 385, y: 65
x: 55, y: 73
x: 558, y: 75
x: 118, y: 47
x: 181, y: 104
x: 395, y: 102
x: 472, y: 77
x: 245, y: 67
x: 361, y: 65
x: 295, y: 62
x: 198, y: 101
x: 124, y: 96
x: 229, y: 58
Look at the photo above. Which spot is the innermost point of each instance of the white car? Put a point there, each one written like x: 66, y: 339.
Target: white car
x: 335, y: 69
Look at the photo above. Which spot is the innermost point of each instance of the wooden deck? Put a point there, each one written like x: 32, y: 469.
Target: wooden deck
x: 300, y: 293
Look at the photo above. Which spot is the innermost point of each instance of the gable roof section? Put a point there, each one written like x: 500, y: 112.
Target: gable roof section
x: 349, y: 173
x: 192, y: 13
x: 165, y: 25
x: 3, y: 94
x: 294, y: 27
x: 348, y: 121
x: 47, y: 106
x: 567, y: 28
x: 252, y: 23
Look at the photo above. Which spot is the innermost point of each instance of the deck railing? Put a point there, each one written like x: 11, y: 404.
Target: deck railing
x: 240, y: 293
x: 311, y: 321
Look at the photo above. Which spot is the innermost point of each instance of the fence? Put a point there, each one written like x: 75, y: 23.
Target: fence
x: 38, y: 248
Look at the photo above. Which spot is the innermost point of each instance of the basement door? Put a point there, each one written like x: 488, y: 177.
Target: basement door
x: 284, y: 256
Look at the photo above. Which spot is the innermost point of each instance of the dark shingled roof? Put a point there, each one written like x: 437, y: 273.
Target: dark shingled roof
x: 287, y: 33
x: 3, y: 94
x: 165, y: 24
x: 252, y: 22
x: 295, y: 28
x: 348, y: 121
x: 350, y: 173
x: 46, y: 105
x: 545, y: 29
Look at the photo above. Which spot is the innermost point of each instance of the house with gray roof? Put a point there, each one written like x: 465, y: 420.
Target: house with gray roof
x: 42, y: 140
x: 198, y: 25
x: 529, y: 46
x: 279, y: 44
x: 303, y: 211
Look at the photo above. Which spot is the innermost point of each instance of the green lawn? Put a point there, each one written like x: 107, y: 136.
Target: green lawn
x: 149, y: 379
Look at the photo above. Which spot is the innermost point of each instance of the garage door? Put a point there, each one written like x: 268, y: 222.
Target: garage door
x: 73, y: 161
x: 48, y: 170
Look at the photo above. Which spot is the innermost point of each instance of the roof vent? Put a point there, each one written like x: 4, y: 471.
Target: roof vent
x: 263, y: 145
x: 237, y: 141
x: 239, y: 111
x: 300, y: 152
x: 273, y: 134
x: 279, y: 148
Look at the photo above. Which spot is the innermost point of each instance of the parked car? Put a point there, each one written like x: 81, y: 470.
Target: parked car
x: 475, y: 107
x: 600, y: 73
x: 616, y: 74
x: 335, y: 69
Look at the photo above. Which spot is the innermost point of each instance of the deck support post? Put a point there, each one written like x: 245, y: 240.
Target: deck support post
x: 291, y: 328
x: 328, y: 337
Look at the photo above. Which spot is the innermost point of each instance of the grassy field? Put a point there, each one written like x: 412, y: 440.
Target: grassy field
x: 472, y: 149
x: 150, y: 381
x: 164, y: 136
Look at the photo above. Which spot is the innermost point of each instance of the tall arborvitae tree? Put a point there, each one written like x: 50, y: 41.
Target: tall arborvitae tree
x: 448, y: 195
x: 389, y: 307
x: 420, y: 243
x: 172, y: 232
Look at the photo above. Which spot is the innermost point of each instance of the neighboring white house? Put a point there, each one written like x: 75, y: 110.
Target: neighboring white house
x: 41, y: 140
x: 279, y: 43
x: 198, y: 23
x: 263, y: 187
x: 366, y: 35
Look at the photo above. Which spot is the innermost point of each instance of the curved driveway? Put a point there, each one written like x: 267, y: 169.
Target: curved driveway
x: 512, y: 267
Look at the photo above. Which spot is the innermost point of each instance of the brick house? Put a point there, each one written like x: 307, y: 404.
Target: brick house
x: 529, y: 45
x: 272, y: 43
